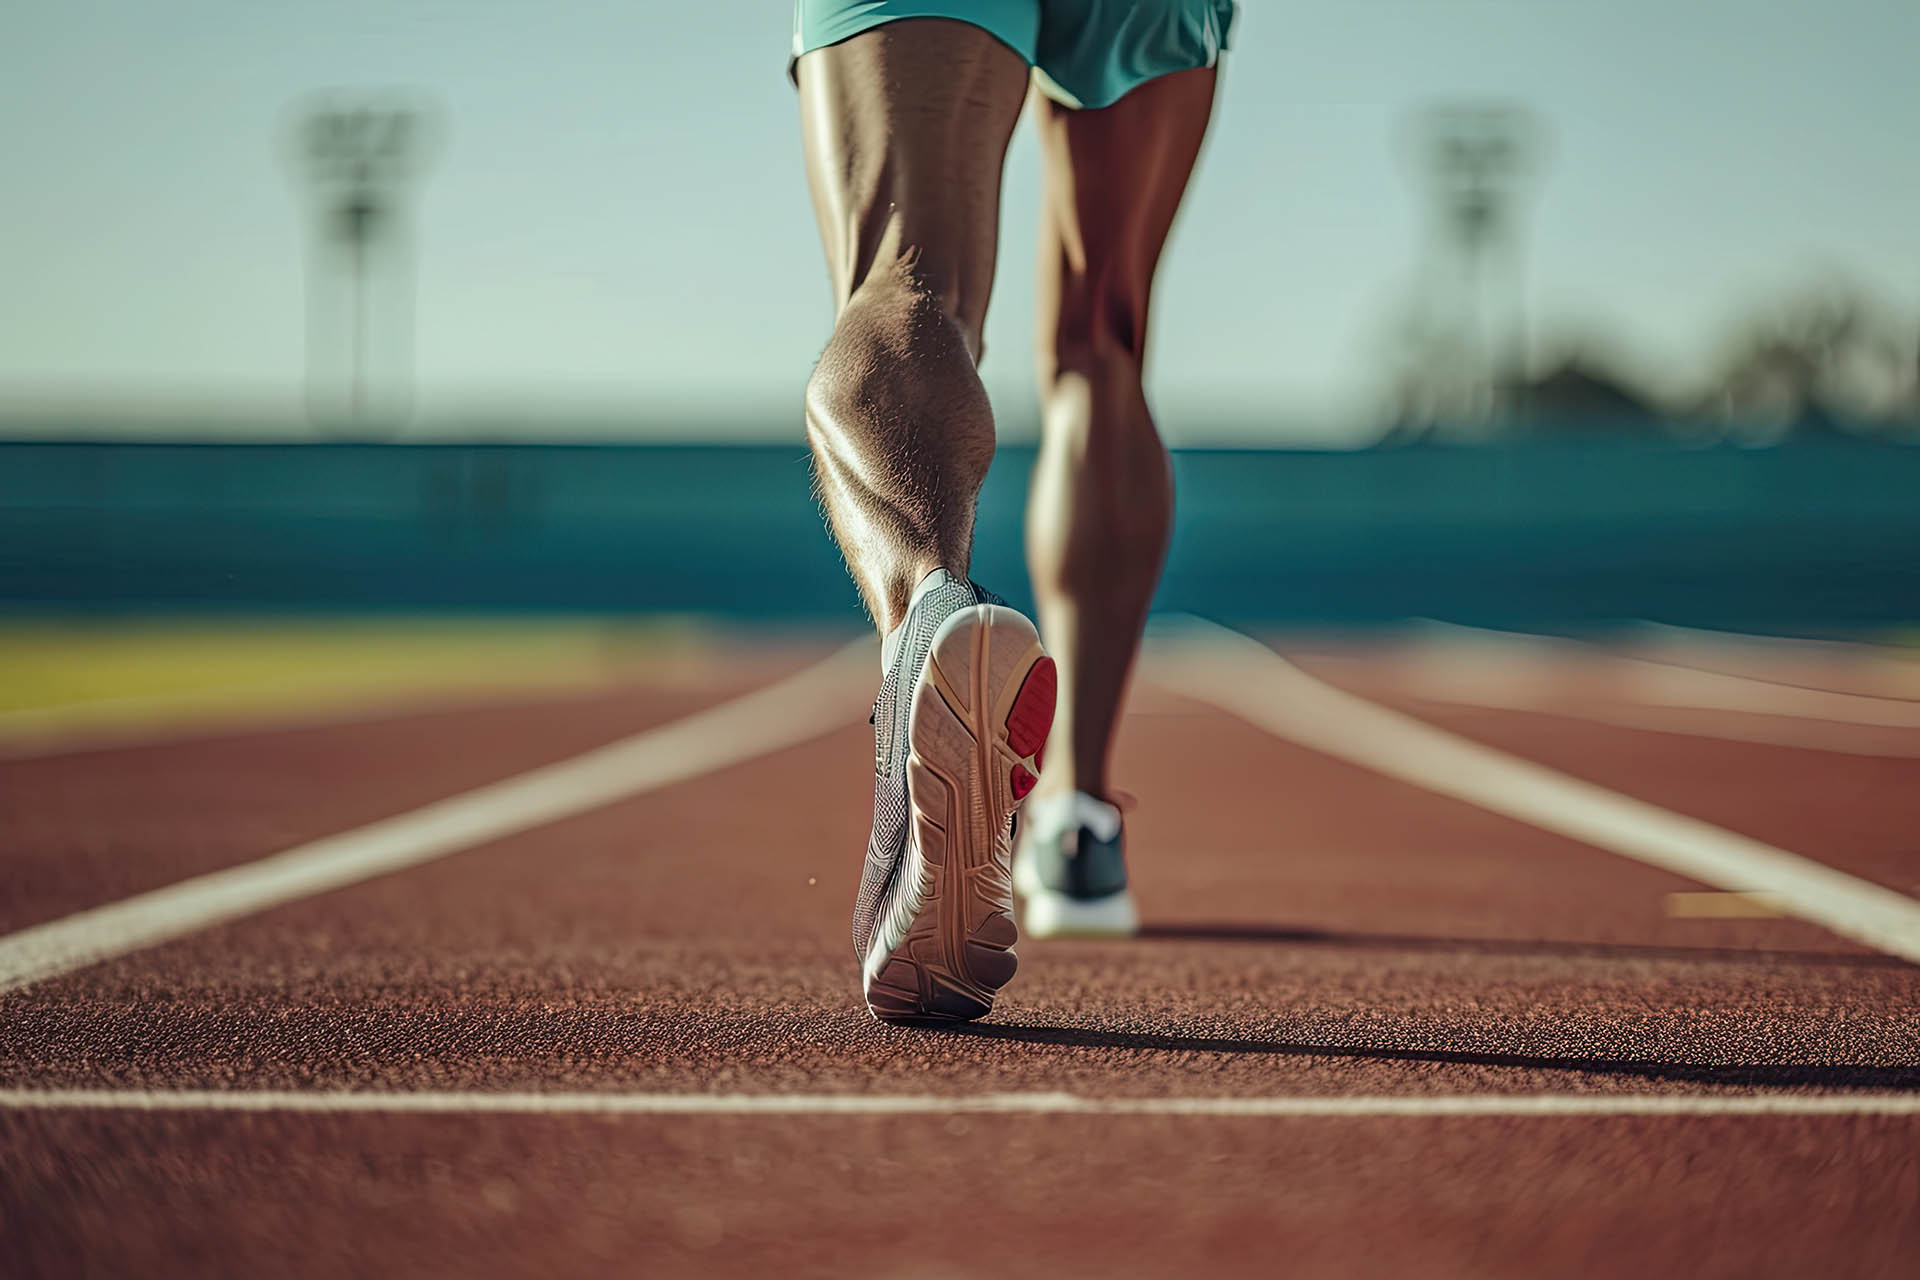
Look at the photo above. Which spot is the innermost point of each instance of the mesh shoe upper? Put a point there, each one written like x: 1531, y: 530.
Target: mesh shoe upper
x: 892, y: 714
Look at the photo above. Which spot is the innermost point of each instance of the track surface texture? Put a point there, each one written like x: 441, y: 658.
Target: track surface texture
x: 1314, y: 931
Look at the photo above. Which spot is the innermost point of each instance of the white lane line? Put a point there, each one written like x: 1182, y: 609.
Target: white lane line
x: 802, y: 706
x: 1904, y: 663
x: 1868, y: 667
x: 1240, y: 675
x: 1665, y: 684
x: 869, y: 1104
x: 1727, y: 726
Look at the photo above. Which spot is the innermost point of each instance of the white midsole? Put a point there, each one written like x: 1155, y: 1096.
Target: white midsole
x: 1047, y: 914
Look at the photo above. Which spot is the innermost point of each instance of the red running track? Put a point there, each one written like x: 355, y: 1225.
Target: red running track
x: 1315, y: 931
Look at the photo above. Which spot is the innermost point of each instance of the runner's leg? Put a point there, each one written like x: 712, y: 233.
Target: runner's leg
x: 905, y: 128
x: 1101, y: 505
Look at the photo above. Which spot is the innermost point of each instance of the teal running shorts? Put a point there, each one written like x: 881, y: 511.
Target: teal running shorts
x: 1085, y: 53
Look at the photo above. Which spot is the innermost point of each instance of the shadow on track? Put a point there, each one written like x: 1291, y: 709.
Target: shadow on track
x: 1748, y: 1074
x: 1230, y: 932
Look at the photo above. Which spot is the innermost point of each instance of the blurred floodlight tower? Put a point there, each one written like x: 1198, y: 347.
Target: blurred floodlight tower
x: 360, y: 159
x: 1469, y: 316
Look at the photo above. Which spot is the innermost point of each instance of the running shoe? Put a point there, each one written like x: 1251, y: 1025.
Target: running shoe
x: 958, y: 731
x: 1071, y: 870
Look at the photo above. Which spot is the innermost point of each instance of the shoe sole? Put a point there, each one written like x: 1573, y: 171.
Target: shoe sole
x: 981, y: 713
x: 1047, y: 914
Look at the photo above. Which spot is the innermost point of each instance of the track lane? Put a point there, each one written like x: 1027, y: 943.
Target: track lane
x: 328, y: 1196
x: 1384, y: 939
x: 85, y: 828
x: 1251, y: 681
x: 1851, y: 812
x: 1319, y: 931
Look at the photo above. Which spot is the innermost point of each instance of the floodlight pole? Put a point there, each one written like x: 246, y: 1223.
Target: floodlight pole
x: 1475, y: 157
x: 357, y: 218
x: 358, y: 159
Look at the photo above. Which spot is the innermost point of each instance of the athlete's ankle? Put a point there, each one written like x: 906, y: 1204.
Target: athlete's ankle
x: 1065, y: 810
x: 890, y: 636
x: 1052, y: 789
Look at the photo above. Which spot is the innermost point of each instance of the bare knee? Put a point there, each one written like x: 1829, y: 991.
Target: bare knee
x: 920, y: 274
x: 1094, y: 404
x: 1091, y: 365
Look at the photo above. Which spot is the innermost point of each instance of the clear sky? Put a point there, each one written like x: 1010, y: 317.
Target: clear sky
x: 617, y: 226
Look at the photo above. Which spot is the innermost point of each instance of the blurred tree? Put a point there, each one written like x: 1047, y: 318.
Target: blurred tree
x: 1828, y: 357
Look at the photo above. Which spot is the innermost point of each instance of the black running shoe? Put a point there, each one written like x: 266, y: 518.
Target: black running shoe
x: 1072, y: 870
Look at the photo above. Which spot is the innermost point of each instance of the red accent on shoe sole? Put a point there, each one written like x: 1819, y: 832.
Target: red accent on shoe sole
x: 1022, y: 782
x: 1032, y: 715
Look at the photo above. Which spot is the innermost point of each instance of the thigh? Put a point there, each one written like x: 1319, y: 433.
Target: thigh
x: 1114, y: 180
x: 906, y: 128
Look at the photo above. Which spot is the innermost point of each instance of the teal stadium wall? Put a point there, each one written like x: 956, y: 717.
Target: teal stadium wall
x: 1818, y: 533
